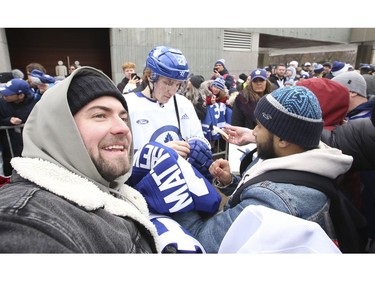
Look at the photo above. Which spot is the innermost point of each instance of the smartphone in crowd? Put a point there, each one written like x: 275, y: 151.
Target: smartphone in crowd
x: 134, y: 75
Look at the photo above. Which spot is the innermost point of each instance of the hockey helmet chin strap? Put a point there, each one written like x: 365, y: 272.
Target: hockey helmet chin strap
x: 149, y: 86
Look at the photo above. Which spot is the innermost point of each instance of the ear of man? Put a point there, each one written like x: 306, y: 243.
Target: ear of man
x: 281, y: 143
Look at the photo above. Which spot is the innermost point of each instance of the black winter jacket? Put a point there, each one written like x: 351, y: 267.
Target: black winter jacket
x: 355, y: 138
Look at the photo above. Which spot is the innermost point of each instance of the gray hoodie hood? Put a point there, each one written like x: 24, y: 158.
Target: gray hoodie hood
x: 51, y: 134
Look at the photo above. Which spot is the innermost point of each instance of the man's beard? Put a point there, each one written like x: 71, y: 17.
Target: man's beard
x: 111, y: 171
x: 266, y: 150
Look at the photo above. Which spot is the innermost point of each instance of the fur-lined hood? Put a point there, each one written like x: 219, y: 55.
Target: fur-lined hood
x: 83, y: 192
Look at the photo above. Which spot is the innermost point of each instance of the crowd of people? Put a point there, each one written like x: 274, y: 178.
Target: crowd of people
x: 131, y: 168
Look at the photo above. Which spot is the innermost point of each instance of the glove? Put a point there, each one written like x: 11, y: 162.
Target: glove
x: 200, y: 156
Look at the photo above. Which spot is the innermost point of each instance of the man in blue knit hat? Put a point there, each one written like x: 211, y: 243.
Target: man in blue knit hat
x: 221, y: 71
x: 289, y: 126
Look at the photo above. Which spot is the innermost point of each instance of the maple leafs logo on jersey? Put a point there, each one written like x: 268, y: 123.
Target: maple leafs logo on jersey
x: 168, y: 138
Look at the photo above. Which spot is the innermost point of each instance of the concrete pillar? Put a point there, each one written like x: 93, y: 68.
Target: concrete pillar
x: 364, y: 53
x: 4, y: 52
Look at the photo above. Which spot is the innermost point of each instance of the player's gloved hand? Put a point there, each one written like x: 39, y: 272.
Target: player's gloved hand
x: 200, y: 156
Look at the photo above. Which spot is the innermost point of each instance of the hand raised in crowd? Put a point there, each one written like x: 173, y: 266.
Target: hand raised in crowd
x: 15, y: 120
x: 134, y: 80
x: 181, y: 147
x: 216, y: 74
x: 239, y: 135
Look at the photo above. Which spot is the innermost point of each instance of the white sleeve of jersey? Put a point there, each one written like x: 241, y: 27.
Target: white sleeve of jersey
x: 190, y: 124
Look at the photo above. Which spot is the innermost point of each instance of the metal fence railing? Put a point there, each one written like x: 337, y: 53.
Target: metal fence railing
x: 7, y: 128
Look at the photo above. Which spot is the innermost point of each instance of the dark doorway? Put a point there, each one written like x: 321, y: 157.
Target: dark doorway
x: 47, y: 46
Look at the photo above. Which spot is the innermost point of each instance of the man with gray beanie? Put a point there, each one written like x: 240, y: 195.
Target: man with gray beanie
x: 220, y: 70
x: 359, y: 106
x: 67, y: 191
x: 289, y: 126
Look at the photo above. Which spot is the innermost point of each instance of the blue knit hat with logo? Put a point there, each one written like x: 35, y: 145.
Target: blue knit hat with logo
x: 219, y: 83
x: 293, y: 114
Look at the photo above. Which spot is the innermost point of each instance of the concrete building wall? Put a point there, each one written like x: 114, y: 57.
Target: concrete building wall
x: 365, y: 38
x: 362, y: 35
x: 202, y: 47
x: 338, y: 35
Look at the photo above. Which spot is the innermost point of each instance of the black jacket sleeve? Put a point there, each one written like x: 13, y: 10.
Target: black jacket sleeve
x: 355, y: 138
x: 238, y: 119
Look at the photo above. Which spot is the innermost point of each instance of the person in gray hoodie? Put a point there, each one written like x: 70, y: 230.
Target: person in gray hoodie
x: 67, y: 192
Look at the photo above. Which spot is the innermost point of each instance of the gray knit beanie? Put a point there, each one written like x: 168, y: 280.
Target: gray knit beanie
x: 293, y: 114
x: 87, y: 86
x: 196, y: 80
x: 353, y: 81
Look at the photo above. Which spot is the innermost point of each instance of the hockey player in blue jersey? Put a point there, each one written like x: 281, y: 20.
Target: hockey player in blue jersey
x: 166, y: 133
x: 157, y: 113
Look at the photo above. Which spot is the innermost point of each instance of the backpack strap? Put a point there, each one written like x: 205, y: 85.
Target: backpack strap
x: 318, y: 182
x: 247, y: 160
